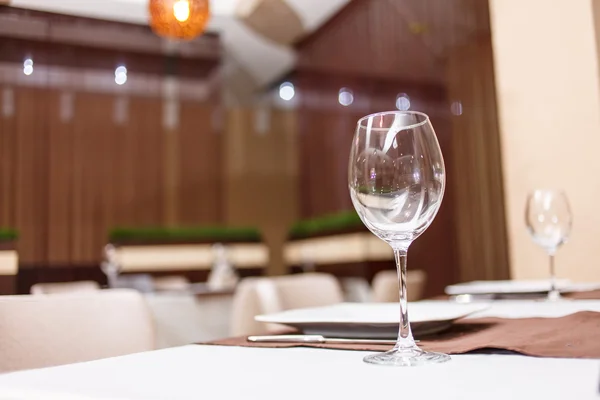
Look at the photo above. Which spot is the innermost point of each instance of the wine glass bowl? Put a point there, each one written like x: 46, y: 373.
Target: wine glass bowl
x: 396, y: 180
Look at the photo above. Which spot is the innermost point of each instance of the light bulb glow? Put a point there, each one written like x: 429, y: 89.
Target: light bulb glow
x: 456, y: 108
x: 345, y: 97
x: 120, y: 79
x: 181, y: 10
x: 121, y: 75
x: 28, y: 67
x: 287, y: 91
x: 403, y: 102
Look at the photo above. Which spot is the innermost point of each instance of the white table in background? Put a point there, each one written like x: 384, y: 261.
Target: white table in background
x: 182, y: 318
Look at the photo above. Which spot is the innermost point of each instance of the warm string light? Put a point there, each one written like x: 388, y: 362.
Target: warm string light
x: 179, y: 19
x: 181, y: 10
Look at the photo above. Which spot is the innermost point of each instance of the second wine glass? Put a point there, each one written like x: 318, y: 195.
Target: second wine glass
x: 549, y: 221
x: 396, y: 181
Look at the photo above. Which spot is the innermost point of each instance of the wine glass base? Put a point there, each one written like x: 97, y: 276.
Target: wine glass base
x: 554, y: 295
x: 411, y: 357
x: 559, y: 298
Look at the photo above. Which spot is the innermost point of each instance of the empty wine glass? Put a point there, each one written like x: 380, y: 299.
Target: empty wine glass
x: 548, y: 218
x: 110, y: 265
x: 396, y: 181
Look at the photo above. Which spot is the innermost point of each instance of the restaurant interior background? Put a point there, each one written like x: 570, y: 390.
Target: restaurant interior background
x: 112, y: 134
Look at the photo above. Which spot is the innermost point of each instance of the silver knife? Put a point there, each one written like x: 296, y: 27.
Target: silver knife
x: 314, y: 339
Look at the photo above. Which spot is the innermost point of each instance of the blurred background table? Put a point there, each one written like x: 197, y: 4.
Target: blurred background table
x: 199, y: 315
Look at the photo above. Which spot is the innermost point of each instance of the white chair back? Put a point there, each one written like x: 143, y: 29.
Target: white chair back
x: 385, y: 286
x: 65, y: 287
x: 255, y: 296
x: 44, y: 331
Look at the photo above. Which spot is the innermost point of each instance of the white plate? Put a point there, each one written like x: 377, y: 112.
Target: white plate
x: 372, y: 320
x: 516, y: 287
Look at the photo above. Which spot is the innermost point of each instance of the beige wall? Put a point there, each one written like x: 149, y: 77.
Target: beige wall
x: 548, y: 96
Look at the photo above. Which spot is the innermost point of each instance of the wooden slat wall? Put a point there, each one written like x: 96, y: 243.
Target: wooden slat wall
x: 365, y: 39
x: 379, y: 49
x: 479, y: 198
x: 61, y: 188
x: 200, y: 199
x: 66, y: 177
x: 8, y: 148
x: 261, y: 184
x: 325, y: 141
x: 326, y: 131
x: 145, y: 141
x: 405, y: 39
x: 31, y: 174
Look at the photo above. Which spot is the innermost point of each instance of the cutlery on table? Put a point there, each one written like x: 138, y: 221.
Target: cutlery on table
x: 315, y: 339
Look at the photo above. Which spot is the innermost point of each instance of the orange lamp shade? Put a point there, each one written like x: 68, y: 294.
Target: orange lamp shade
x: 179, y: 19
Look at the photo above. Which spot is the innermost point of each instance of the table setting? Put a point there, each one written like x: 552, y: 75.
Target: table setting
x: 565, y: 330
x: 491, y: 339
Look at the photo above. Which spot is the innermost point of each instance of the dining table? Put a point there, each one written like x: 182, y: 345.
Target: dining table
x: 209, y: 371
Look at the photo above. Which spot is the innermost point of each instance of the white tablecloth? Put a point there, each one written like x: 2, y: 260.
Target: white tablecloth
x: 205, y: 372
x: 213, y: 372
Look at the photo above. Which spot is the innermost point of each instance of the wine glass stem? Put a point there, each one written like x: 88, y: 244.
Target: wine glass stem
x: 405, y: 337
x: 112, y: 279
x: 554, y: 293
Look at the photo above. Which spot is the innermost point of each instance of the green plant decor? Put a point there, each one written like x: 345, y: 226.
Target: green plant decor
x: 328, y: 223
x: 185, y: 234
x: 8, y: 235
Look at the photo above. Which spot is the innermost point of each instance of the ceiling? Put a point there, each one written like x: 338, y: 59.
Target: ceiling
x: 263, y: 59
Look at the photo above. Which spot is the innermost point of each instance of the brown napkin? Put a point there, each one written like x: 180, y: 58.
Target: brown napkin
x: 589, y: 295
x: 574, y: 336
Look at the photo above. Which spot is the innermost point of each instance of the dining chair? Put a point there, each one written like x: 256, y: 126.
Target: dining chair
x: 65, y: 287
x: 43, y: 331
x: 385, y: 286
x: 255, y: 296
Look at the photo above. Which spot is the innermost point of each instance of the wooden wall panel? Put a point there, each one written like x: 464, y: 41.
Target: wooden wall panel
x: 8, y: 142
x: 31, y: 182
x: 326, y: 131
x: 438, y: 52
x: 126, y: 155
x: 325, y: 147
x: 479, y: 196
x: 61, y: 172
x: 200, y: 193
x: 365, y: 39
x: 80, y: 155
x: 261, y: 175
x: 72, y: 166
x: 393, y: 39
x: 146, y: 154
